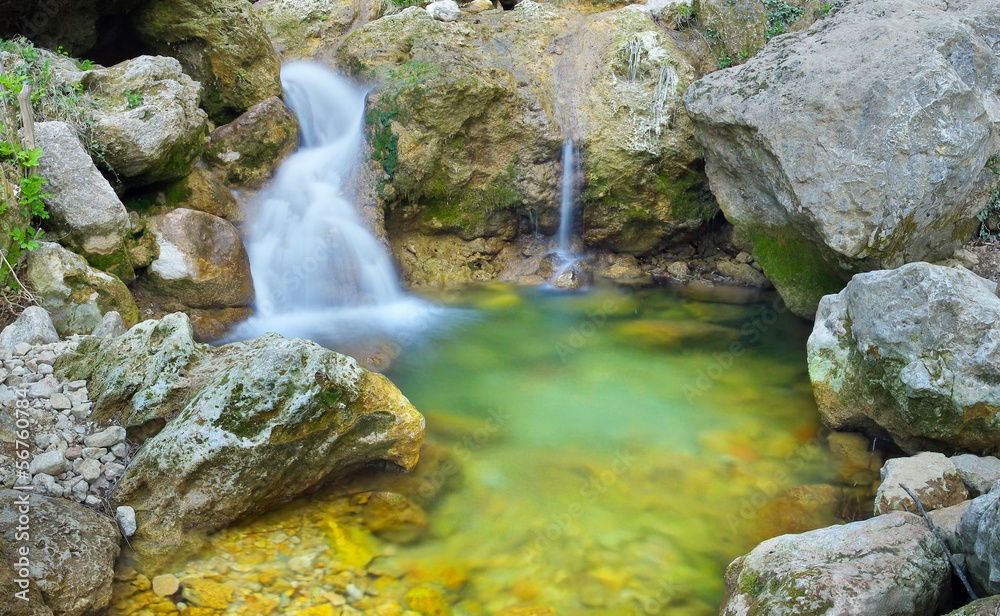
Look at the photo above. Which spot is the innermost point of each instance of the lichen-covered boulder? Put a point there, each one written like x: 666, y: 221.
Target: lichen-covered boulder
x: 911, y: 354
x: 248, y: 425
x: 76, y: 295
x: 148, y: 126
x: 221, y: 43
x: 83, y: 209
x: 71, y: 550
x: 306, y: 29
x: 979, y: 534
x: 819, y: 150
x: 452, y: 92
x: 249, y: 149
x: 891, y: 564
x: 202, y: 262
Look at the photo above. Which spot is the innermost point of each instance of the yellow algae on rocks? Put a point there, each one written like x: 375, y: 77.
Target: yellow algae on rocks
x: 428, y: 601
x: 347, y: 544
x: 206, y: 593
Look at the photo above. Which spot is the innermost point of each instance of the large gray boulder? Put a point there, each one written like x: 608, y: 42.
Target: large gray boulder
x: 891, y: 564
x: 979, y: 534
x: 858, y: 144
x: 912, y: 354
x: 148, y: 126
x: 929, y: 475
x: 76, y: 295
x: 72, y: 550
x: 83, y: 208
x: 234, y: 430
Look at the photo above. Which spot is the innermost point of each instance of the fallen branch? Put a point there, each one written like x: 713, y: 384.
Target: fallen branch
x: 951, y: 559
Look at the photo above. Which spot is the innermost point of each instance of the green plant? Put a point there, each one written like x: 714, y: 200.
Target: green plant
x: 780, y: 14
x: 993, y: 164
x: 30, y: 198
x: 133, y: 99
x: 725, y: 61
x: 384, y: 143
x: 685, y: 14
x: 992, y: 211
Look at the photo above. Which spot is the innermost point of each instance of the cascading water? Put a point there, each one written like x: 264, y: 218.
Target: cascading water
x: 569, y: 194
x: 318, y: 271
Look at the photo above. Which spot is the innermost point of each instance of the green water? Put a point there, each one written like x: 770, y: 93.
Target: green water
x: 629, y: 445
x: 595, y: 454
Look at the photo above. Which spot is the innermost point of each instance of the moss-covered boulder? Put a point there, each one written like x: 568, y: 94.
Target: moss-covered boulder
x: 738, y: 29
x: 247, y: 426
x: 911, y: 354
x: 468, y: 122
x: 76, y: 295
x: 820, y: 151
x: 201, y: 190
x: 249, y: 149
x: 891, y: 564
x: 147, y: 124
x: 305, y: 29
x: 221, y: 43
x: 201, y: 261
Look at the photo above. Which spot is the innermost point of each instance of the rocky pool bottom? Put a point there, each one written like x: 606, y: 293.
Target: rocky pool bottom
x: 599, y: 453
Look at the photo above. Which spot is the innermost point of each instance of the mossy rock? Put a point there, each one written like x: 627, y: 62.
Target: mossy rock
x: 249, y: 149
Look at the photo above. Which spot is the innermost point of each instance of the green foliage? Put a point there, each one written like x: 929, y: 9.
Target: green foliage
x: 685, y: 14
x: 133, y: 100
x: 992, y: 211
x: 384, y: 143
x: 29, y: 198
x: 725, y: 61
x: 780, y: 14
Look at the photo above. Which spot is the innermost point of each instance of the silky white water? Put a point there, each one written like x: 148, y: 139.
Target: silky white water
x: 569, y: 194
x: 318, y: 271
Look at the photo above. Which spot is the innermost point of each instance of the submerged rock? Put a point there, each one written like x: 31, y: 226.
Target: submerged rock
x: 237, y: 429
x: 72, y: 551
x: 249, y: 149
x: 148, y: 126
x: 76, y: 295
x: 83, y: 208
x: 979, y: 534
x: 202, y: 262
x: 890, y: 564
x: 911, y: 354
x: 819, y: 150
x: 221, y: 43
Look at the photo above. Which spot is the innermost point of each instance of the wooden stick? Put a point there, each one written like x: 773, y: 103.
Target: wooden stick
x: 951, y: 559
x: 27, y: 117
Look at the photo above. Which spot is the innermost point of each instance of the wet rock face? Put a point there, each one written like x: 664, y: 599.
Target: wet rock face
x: 468, y: 126
x: 818, y: 149
x: 890, y: 564
x: 148, y: 126
x: 221, y: 43
x: 72, y: 551
x: 911, y: 354
x: 247, y: 425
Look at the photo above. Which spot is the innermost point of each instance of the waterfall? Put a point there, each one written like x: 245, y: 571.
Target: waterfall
x: 318, y: 271
x: 569, y: 195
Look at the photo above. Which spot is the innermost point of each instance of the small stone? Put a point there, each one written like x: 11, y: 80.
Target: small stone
x: 92, y: 500
x: 444, y: 10
x: 43, y: 388
x: 81, y: 487
x: 930, y: 475
x: 743, y: 257
x: 206, y: 593
x: 22, y: 348
x: 301, y: 564
x: 77, y: 397
x: 75, y: 385
x: 45, y: 369
x: 165, y: 585
x: 113, y: 470
x: 81, y: 411
x: 106, y: 438
x: 125, y: 516
x: 74, y: 452
x: 60, y: 402
x: 93, y: 453
x: 354, y: 593
x: 678, y: 269
x: 978, y: 473
x: 111, y: 326
x: 90, y: 469
x: 108, y: 457
x: 120, y: 450
x: 50, y: 463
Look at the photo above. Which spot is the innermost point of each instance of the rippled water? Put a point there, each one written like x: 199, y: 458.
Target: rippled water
x: 604, y: 453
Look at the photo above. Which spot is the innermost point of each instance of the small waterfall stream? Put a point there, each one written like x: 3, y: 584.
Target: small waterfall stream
x: 318, y: 271
x: 568, y: 200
